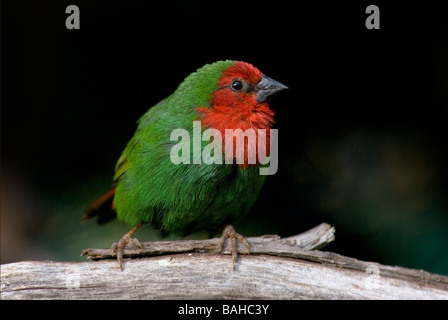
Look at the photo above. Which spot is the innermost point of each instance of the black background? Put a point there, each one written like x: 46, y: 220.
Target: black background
x: 362, y: 129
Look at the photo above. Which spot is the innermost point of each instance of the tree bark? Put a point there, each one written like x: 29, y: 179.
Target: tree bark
x: 276, y: 269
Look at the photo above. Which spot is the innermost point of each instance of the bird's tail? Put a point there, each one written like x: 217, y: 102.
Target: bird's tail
x: 102, y: 207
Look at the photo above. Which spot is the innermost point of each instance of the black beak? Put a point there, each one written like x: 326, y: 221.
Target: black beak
x: 267, y: 87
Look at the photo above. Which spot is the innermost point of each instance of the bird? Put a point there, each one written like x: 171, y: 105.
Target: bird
x: 182, y: 198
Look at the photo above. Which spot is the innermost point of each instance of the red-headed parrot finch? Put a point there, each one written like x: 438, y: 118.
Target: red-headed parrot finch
x: 184, y: 198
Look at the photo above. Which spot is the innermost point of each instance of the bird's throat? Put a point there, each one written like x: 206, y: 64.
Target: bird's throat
x: 250, y: 119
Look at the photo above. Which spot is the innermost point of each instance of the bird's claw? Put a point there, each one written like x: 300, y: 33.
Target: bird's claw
x: 118, y: 247
x: 230, y: 233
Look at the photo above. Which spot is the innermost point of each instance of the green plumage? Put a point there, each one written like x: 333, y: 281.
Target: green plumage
x: 180, y: 198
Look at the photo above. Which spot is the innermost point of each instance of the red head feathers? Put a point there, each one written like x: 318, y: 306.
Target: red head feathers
x: 239, y: 102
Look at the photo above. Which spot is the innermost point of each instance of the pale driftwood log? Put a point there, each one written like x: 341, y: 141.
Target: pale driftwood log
x: 276, y: 269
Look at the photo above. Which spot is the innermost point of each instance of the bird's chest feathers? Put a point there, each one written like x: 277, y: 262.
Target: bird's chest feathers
x: 228, y: 113
x: 229, y: 110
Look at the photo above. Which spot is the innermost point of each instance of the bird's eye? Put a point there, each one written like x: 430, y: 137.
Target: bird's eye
x: 236, y: 85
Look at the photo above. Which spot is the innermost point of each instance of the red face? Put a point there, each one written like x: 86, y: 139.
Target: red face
x: 234, y: 104
x: 237, y: 85
x: 239, y: 103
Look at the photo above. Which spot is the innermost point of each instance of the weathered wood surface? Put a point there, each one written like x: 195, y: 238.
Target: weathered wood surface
x: 286, y: 272
x: 315, y: 238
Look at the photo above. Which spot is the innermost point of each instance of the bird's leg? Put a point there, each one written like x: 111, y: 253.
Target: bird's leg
x: 230, y: 233
x: 117, y: 247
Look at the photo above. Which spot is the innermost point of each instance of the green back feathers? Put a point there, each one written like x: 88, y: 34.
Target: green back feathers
x: 176, y: 111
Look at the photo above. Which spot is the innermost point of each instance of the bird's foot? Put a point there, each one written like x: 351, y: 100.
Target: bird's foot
x: 118, y: 247
x: 230, y: 233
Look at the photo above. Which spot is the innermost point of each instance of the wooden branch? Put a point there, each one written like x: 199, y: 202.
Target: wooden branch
x: 315, y: 238
x: 277, y: 269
